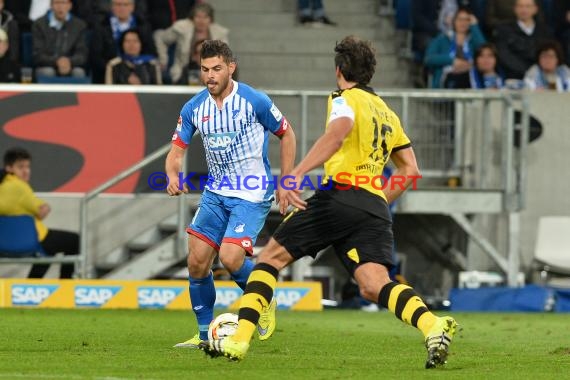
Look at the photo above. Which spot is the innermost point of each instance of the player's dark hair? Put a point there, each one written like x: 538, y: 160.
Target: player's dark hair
x: 11, y: 156
x: 217, y: 48
x: 202, y: 7
x: 355, y: 59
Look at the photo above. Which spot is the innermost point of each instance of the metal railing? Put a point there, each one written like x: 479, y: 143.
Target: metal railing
x: 85, y: 270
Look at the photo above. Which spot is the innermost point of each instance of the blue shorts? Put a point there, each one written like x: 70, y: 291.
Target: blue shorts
x: 220, y: 219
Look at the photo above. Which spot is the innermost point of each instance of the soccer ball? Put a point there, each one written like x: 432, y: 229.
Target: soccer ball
x: 222, y: 326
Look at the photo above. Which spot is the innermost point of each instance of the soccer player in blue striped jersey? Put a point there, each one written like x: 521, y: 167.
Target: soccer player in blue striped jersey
x: 234, y: 121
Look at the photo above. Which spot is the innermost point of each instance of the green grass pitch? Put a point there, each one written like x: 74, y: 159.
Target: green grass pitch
x: 113, y: 344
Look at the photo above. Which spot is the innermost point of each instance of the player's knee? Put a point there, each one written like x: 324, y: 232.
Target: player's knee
x: 198, y: 268
x: 231, y: 262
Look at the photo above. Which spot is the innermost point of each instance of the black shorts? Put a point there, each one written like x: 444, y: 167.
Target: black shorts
x: 357, y: 236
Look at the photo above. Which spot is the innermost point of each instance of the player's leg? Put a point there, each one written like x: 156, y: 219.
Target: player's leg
x: 245, y: 221
x: 302, y: 233
x: 206, y: 231
x: 256, y: 298
x: 369, y: 252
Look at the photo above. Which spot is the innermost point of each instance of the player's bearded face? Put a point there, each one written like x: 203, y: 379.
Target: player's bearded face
x: 216, y: 74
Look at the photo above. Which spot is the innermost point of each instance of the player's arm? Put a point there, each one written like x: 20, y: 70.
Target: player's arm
x: 406, y: 169
x: 323, y: 149
x: 173, y: 167
x: 288, y: 149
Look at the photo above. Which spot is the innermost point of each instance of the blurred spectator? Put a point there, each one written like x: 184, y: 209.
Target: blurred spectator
x: 132, y: 67
x: 59, y: 42
x: 27, y: 11
x: 106, y: 36
x: 313, y: 12
x: 445, y: 19
x: 185, y: 34
x: 550, y: 72
x: 18, y: 198
x: 424, y: 24
x: 9, y: 68
x: 498, y: 12
x: 191, y: 72
x: 450, y: 56
x: 9, y: 24
x: 517, y: 40
x: 485, y: 74
x: 161, y: 14
x: 562, y: 25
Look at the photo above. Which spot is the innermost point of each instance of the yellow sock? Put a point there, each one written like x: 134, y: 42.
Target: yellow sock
x: 257, y: 295
x: 407, y: 306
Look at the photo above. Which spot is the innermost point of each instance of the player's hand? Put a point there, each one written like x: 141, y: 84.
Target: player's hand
x: 174, y: 188
x: 289, y: 195
x: 291, y: 198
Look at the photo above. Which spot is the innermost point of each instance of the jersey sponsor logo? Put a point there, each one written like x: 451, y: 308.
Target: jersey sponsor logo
x: 157, y: 296
x: 179, y: 124
x: 275, y: 112
x: 220, y: 141
x: 205, y: 118
x: 239, y: 227
x: 340, y: 100
x: 94, y: 296
x: 31, y: 295
x: 289, y: 297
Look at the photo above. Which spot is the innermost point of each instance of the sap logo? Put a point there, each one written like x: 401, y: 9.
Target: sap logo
x: 157, y: 297
x: 95, y: 296
x: 225, y: 297
x: 220, y: 141
x: 287, y: 298
x: 31, y: 295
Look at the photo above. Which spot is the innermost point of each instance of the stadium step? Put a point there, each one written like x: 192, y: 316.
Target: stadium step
x: 266, y: 36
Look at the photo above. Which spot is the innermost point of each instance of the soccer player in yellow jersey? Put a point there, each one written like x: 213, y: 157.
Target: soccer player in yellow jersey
x: 362, y: 134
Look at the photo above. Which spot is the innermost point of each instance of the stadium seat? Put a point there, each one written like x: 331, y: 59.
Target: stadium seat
x: 19, y: 243
x: 26, y: 53
x: 62, y: 80
x: 18, y: 237
x: 403, y: 14
x: 552, y: 250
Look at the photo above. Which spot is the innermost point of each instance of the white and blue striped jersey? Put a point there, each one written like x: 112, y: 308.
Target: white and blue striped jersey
x: 235, y: 138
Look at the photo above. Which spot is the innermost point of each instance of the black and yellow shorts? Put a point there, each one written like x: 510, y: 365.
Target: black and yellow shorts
x: 357, y: 236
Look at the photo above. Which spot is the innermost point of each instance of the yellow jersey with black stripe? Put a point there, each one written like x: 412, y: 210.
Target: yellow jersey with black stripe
x: 375, y: 134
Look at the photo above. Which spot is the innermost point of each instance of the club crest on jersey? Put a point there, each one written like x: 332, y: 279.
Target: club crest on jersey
x: 239, y: 227
x: 220, y: 141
